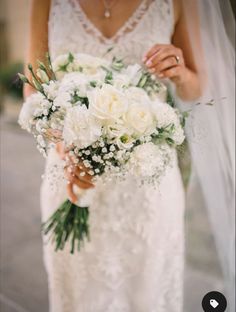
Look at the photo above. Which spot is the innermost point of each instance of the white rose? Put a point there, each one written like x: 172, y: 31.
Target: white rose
x: 136, y: 95
x: 140, y: 119
x: 32, y: 105
x: 107, y: 103
x: 80, y: 128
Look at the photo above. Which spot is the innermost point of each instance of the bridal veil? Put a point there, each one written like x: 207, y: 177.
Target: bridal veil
x: 211, y: 128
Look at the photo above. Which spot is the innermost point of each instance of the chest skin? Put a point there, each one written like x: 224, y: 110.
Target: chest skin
x: 120, y: 10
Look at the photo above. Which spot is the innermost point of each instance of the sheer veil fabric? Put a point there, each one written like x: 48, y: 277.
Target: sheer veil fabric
x: 211, y: 130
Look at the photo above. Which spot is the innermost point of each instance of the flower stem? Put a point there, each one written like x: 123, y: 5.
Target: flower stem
x: 68, y: 223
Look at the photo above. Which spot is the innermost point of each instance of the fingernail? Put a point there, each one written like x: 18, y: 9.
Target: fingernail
x: 152, y: 70
x: 160, y: 75
x: 149, y: 63
x: 144, y: 59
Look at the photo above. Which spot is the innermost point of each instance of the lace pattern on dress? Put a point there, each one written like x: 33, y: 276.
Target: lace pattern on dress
x: 134, y: 261
x: 128, y: 26
x: 151, y: 23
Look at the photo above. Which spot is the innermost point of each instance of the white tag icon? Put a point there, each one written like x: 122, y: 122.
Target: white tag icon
x: 214, y: 303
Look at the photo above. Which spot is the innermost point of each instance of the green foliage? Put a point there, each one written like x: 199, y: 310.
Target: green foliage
x: 170, y: 99
x: 117, y: 64
x: 69, y: 223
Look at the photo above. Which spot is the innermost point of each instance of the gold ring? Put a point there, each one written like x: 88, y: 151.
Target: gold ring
x: 177, y: 59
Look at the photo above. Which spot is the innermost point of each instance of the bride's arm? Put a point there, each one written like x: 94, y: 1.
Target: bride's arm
x: 176, y: 61
x: 37, y: 49
x: 38, y: 37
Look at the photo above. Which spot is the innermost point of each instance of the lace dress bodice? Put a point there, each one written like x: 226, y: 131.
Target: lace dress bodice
x: 71, y: 30
x: 134, y: 261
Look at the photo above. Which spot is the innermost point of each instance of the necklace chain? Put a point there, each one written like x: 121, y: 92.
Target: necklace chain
x: 108, y: 6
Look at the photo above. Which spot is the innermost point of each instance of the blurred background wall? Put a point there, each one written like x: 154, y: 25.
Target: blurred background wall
x: 14, y: 16
x: 14, y: 21
x: 23, y: 286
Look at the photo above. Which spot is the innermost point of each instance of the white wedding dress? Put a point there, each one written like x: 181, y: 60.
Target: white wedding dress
x: 134, y: 261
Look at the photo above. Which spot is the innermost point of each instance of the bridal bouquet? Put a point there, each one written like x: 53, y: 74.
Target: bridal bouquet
x: 113, y: 120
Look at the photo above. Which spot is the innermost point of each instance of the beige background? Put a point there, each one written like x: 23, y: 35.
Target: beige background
x: 14, y: 16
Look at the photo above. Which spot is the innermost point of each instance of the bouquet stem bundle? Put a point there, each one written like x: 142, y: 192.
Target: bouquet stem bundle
x: 68, y: 222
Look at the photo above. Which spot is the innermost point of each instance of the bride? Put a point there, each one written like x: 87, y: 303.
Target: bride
x: 135, y: 261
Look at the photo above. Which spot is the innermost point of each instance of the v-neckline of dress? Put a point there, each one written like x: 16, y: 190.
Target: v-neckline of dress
x: 128, y: 27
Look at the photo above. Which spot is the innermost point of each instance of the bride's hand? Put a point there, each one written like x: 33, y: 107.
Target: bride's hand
x: 74, y: 173
x: 166, y: 61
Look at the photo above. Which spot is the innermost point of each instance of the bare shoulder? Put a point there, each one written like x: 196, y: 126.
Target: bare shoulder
x: 177, y: 4
x: 41, y: 3
x: 41, y: 7
x: 39, y: 15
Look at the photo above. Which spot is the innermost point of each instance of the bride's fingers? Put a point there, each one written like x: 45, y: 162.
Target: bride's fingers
x: 158, y: 57
x: 80, y: 172
x: 153, y: 50
x: 82, y: 175
x: 163, y: 54
x: 60, y: 150
x: 75, y: 180
x: 161, y: 57
x: 171, y: 73
x: 72, y: 196
x: 164, y: 65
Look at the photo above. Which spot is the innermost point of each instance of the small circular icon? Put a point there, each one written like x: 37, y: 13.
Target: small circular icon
x: 214, y: 301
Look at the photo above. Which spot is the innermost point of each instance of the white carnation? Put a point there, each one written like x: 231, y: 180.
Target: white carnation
x: 63, y: 100
x: 178, y: 135
x: 80, y: 128
x: 149, y: 160
x: 164, y: 114
x: 75, y: 81
x: 32, y: 107
x: 51, y: 89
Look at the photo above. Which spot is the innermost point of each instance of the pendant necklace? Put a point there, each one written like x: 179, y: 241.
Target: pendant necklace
x: 108, y: 5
